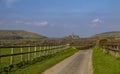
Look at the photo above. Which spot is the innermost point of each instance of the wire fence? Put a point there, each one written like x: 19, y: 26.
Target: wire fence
x: 20, y: 55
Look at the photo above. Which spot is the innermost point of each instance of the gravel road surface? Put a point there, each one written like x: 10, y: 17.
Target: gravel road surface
x: 79, y: 63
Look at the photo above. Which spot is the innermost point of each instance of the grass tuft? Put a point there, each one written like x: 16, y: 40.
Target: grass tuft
x: 104, y: 63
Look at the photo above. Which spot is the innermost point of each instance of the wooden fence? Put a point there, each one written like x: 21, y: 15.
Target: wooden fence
x: 11, y: 55
x: 112, y: 48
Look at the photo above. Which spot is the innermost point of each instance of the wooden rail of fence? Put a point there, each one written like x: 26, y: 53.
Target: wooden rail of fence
x: 112, y: 48
x: 31, y: 53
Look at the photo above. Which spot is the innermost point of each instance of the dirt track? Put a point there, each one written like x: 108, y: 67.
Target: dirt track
x: 79, y: 63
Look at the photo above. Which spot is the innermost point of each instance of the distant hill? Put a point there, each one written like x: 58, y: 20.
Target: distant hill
x: 113, y: 34
x: 18, y: 34
x: 72, y: 36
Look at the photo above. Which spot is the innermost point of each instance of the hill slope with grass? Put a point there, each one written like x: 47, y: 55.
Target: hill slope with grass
x: 18, y: 34
x: 113, y: 34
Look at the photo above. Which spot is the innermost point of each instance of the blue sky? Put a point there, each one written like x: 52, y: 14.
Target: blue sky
x: 58, y: 18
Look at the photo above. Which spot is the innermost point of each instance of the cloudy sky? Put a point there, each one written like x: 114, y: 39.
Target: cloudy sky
x: 58, y: 18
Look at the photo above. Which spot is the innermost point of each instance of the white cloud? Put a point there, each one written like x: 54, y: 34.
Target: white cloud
x: 10, y: 3
x: 44, y: 23
x: 19, y: 22
x: 36, y: 23
x: 96, y: 22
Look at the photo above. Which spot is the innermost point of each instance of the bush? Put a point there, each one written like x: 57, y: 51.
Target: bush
x: 6, y: 69
x: 102, y: 41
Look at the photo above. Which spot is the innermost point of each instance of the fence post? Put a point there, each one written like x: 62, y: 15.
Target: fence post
x: 21, y: 56
x: 54, y: 48
x: 11, y: 58
x: 47, y: 49
x: 28, y: 53
x: 35, y: 52
x: 117, y: 47
x: 44, y: 50
x: 40, y: 51
x: 114, y: 47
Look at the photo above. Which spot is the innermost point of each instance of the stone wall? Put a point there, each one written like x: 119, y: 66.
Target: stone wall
x: 113, y: 52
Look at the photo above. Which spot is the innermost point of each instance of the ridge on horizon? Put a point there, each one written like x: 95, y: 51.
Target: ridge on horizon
x: 19, y: 34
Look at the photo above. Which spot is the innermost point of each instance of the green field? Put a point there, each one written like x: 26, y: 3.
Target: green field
x: 104, y: 63
x: 5, y: 61
x: 47, y: 62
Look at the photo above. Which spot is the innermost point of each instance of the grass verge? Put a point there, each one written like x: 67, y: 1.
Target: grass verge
x: 40, y: 67
x: 104, y: 63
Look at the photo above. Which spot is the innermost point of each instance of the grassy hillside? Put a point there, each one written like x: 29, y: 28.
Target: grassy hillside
x: 18, y: 34
x: 112, y: 34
